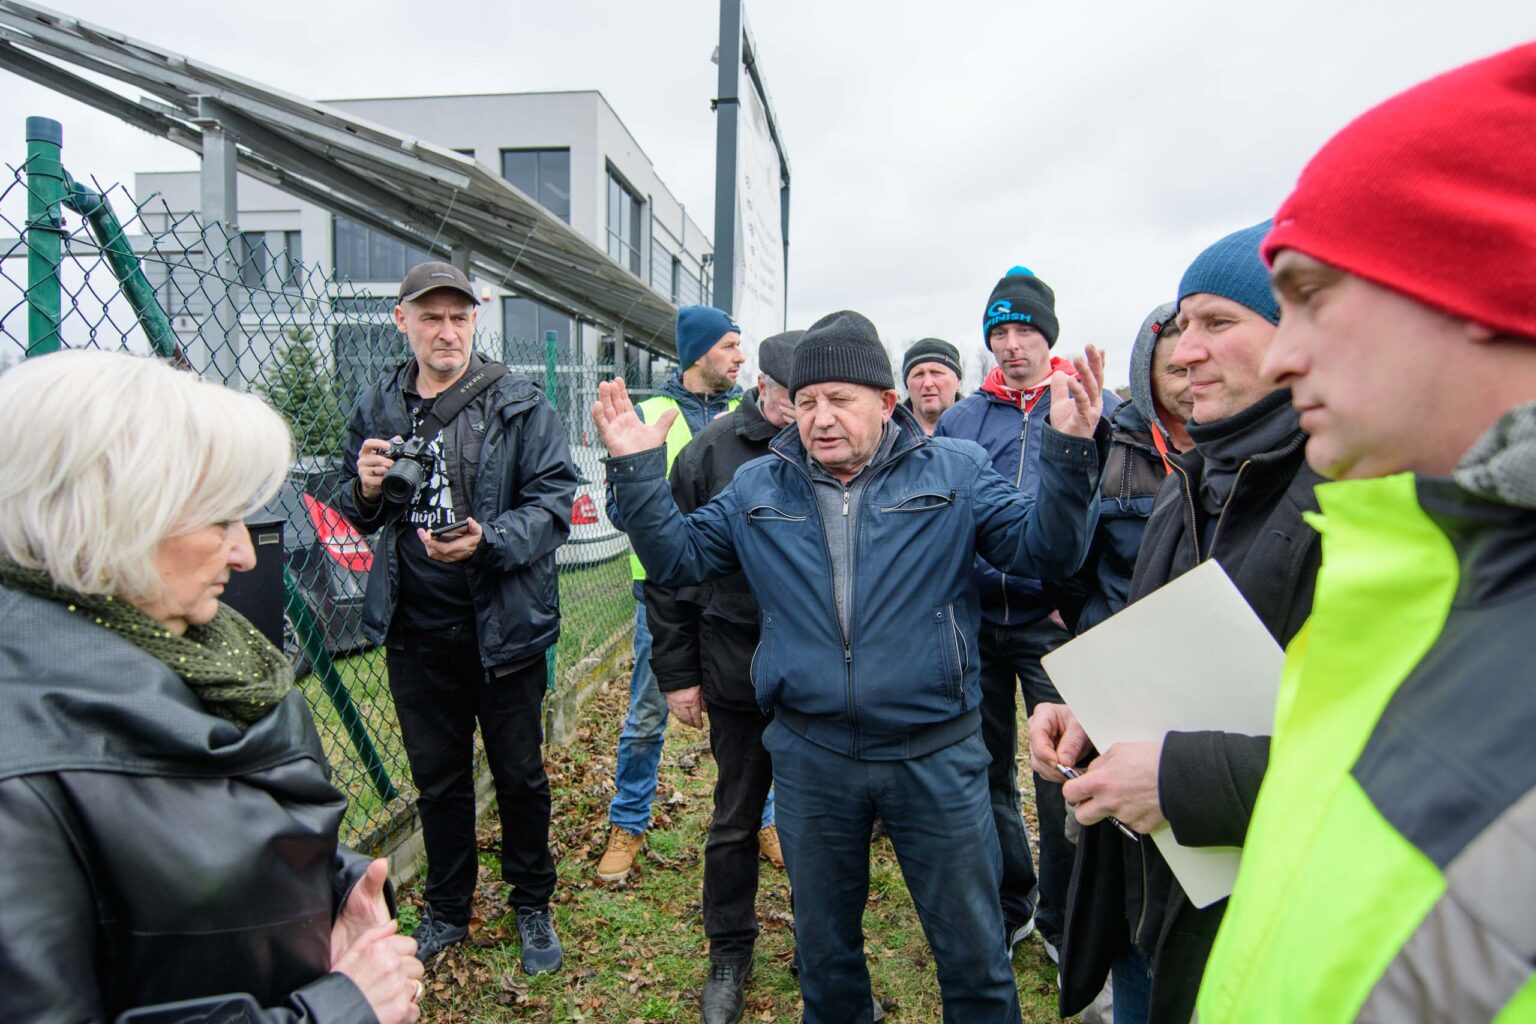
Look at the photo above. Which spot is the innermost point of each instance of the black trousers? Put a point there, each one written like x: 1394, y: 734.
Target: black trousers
x: 441, y: 691
x: 731, y: 853
x: 1009, y: 654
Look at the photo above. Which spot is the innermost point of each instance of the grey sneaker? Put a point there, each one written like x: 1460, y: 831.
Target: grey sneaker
x: 434, y: 934
x: 541, y: 946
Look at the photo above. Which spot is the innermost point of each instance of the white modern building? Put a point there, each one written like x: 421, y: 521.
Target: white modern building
x: 568, y: 151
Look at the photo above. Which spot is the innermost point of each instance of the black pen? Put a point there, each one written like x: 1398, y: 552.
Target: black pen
x: 1073, y: 773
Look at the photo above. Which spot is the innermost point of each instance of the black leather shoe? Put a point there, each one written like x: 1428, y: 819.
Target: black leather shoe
x: 724, y: 998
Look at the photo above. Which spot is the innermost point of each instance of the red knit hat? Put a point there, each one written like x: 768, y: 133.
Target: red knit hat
x: 1433, y: 194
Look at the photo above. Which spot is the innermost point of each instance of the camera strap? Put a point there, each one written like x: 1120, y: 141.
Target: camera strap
x: 452, y: 402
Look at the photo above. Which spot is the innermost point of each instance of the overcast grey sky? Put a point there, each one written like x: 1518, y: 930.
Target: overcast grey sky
x: 933, y: 145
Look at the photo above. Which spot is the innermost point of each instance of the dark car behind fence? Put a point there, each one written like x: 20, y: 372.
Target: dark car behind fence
x: 89, y: 267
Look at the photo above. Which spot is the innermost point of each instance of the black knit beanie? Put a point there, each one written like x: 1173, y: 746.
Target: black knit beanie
x: 931, y: 350
x: 1021, y: 297
x: 842, y: 347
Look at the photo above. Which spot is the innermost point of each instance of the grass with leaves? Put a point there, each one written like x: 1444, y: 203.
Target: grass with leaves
x: 635, y: 952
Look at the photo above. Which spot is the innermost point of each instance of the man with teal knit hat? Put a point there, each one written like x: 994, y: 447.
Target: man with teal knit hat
x: 1007, y: 417
x: 703, y: 389
x: 1239, y: 496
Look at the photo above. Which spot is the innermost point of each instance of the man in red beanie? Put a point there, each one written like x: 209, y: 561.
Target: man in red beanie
x: 1388, y: 871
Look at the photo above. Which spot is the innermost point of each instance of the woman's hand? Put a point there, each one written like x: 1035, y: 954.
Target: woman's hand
x: 383, y: 965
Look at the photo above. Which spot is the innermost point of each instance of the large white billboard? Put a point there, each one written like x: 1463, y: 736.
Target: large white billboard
x: 758, y: 281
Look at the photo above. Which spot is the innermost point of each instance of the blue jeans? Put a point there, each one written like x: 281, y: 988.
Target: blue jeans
x: 937, y: 811
x: 1131, y: 977
x: 645, y: 727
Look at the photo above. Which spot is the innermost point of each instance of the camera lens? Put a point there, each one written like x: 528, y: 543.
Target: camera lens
x: 402, y: 481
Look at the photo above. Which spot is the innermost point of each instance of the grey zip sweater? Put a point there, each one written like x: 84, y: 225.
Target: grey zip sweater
x: 839, y: 507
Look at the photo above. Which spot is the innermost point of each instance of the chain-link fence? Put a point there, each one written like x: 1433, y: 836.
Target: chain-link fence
x: 88, y: 266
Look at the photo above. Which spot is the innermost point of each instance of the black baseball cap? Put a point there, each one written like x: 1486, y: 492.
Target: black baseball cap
x: 427, y: 277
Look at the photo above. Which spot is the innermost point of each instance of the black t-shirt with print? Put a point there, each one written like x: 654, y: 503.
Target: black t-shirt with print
x: 433, y: 594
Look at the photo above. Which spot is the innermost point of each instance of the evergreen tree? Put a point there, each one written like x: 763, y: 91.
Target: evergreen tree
x: 304, y: 391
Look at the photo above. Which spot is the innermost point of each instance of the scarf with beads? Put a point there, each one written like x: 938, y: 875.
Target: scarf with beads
x: 234, y: 671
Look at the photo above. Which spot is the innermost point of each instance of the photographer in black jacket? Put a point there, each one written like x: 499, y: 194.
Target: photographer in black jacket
x: 466, y: 613
x: 702, y: 643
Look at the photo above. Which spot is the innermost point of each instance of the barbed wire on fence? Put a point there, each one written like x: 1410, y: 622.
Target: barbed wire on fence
x: 245, y: 308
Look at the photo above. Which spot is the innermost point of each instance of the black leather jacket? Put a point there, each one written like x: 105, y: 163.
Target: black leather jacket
x: 507, y: 450
x: 149, y: 852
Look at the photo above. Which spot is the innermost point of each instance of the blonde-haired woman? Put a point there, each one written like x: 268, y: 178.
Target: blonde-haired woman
x: 167, y: 830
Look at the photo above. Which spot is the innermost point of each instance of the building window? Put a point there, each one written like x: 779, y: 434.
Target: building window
x: 363, y: 254
x: 523, y: 323
x: 253, y: 260
x: 544, y: 175
x: 624, y: 224
x: 677, y: 279
x: 292, y: 264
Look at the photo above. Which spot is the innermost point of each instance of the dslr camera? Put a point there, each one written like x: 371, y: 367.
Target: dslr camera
x: 412, y: 464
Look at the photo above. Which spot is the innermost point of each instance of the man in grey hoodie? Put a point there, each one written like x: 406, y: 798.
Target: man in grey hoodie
x: 1142, y: 433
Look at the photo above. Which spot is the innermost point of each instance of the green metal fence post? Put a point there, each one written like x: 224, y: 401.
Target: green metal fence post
x: 551, y: 379
x: 313, y: 641
x: 93, y: 206
x: 45, y: 237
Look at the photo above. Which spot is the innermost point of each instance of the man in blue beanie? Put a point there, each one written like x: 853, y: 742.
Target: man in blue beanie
x: 1238, y: 496
x: 704, y: 389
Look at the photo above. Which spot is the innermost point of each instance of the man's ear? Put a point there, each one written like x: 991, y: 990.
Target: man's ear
x: 888, y: 400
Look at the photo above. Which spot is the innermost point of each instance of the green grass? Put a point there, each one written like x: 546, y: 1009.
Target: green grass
x: 635, y: 952
x: 595, y: 603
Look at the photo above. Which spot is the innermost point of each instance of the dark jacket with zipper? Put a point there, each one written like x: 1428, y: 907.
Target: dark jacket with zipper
x: 1133, y: 474
x: 888, y: 669
x: 507, y: 450
x: 152, y: 852
x: 1013, y: 440
x: 704, y: 635
x: 1207, y: 781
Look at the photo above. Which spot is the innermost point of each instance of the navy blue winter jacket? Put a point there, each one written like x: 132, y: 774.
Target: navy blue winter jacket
x: 1013, y: 440
x: 903, y: 681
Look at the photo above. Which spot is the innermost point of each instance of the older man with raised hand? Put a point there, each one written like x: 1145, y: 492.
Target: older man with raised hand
x: 1387, y: 874
x: 1239, y: 496
x: 931, y: 371
x: 703, y: 639
x: 872, y: 676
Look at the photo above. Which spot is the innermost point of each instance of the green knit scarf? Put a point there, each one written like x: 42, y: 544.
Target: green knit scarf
x: 235, y: 671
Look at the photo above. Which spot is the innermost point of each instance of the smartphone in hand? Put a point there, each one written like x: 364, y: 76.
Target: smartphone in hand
x: 449, y: 531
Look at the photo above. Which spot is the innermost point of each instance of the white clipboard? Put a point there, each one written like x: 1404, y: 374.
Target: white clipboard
x: 1187, y: 657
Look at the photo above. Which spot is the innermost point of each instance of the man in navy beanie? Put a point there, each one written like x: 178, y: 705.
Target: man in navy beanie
x: 1020, y: 624
x: 1239, y: 496
x: 704, y: 389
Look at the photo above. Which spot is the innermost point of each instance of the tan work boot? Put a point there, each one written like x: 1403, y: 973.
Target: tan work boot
x: 768, y: 846
x: 619, y: 859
